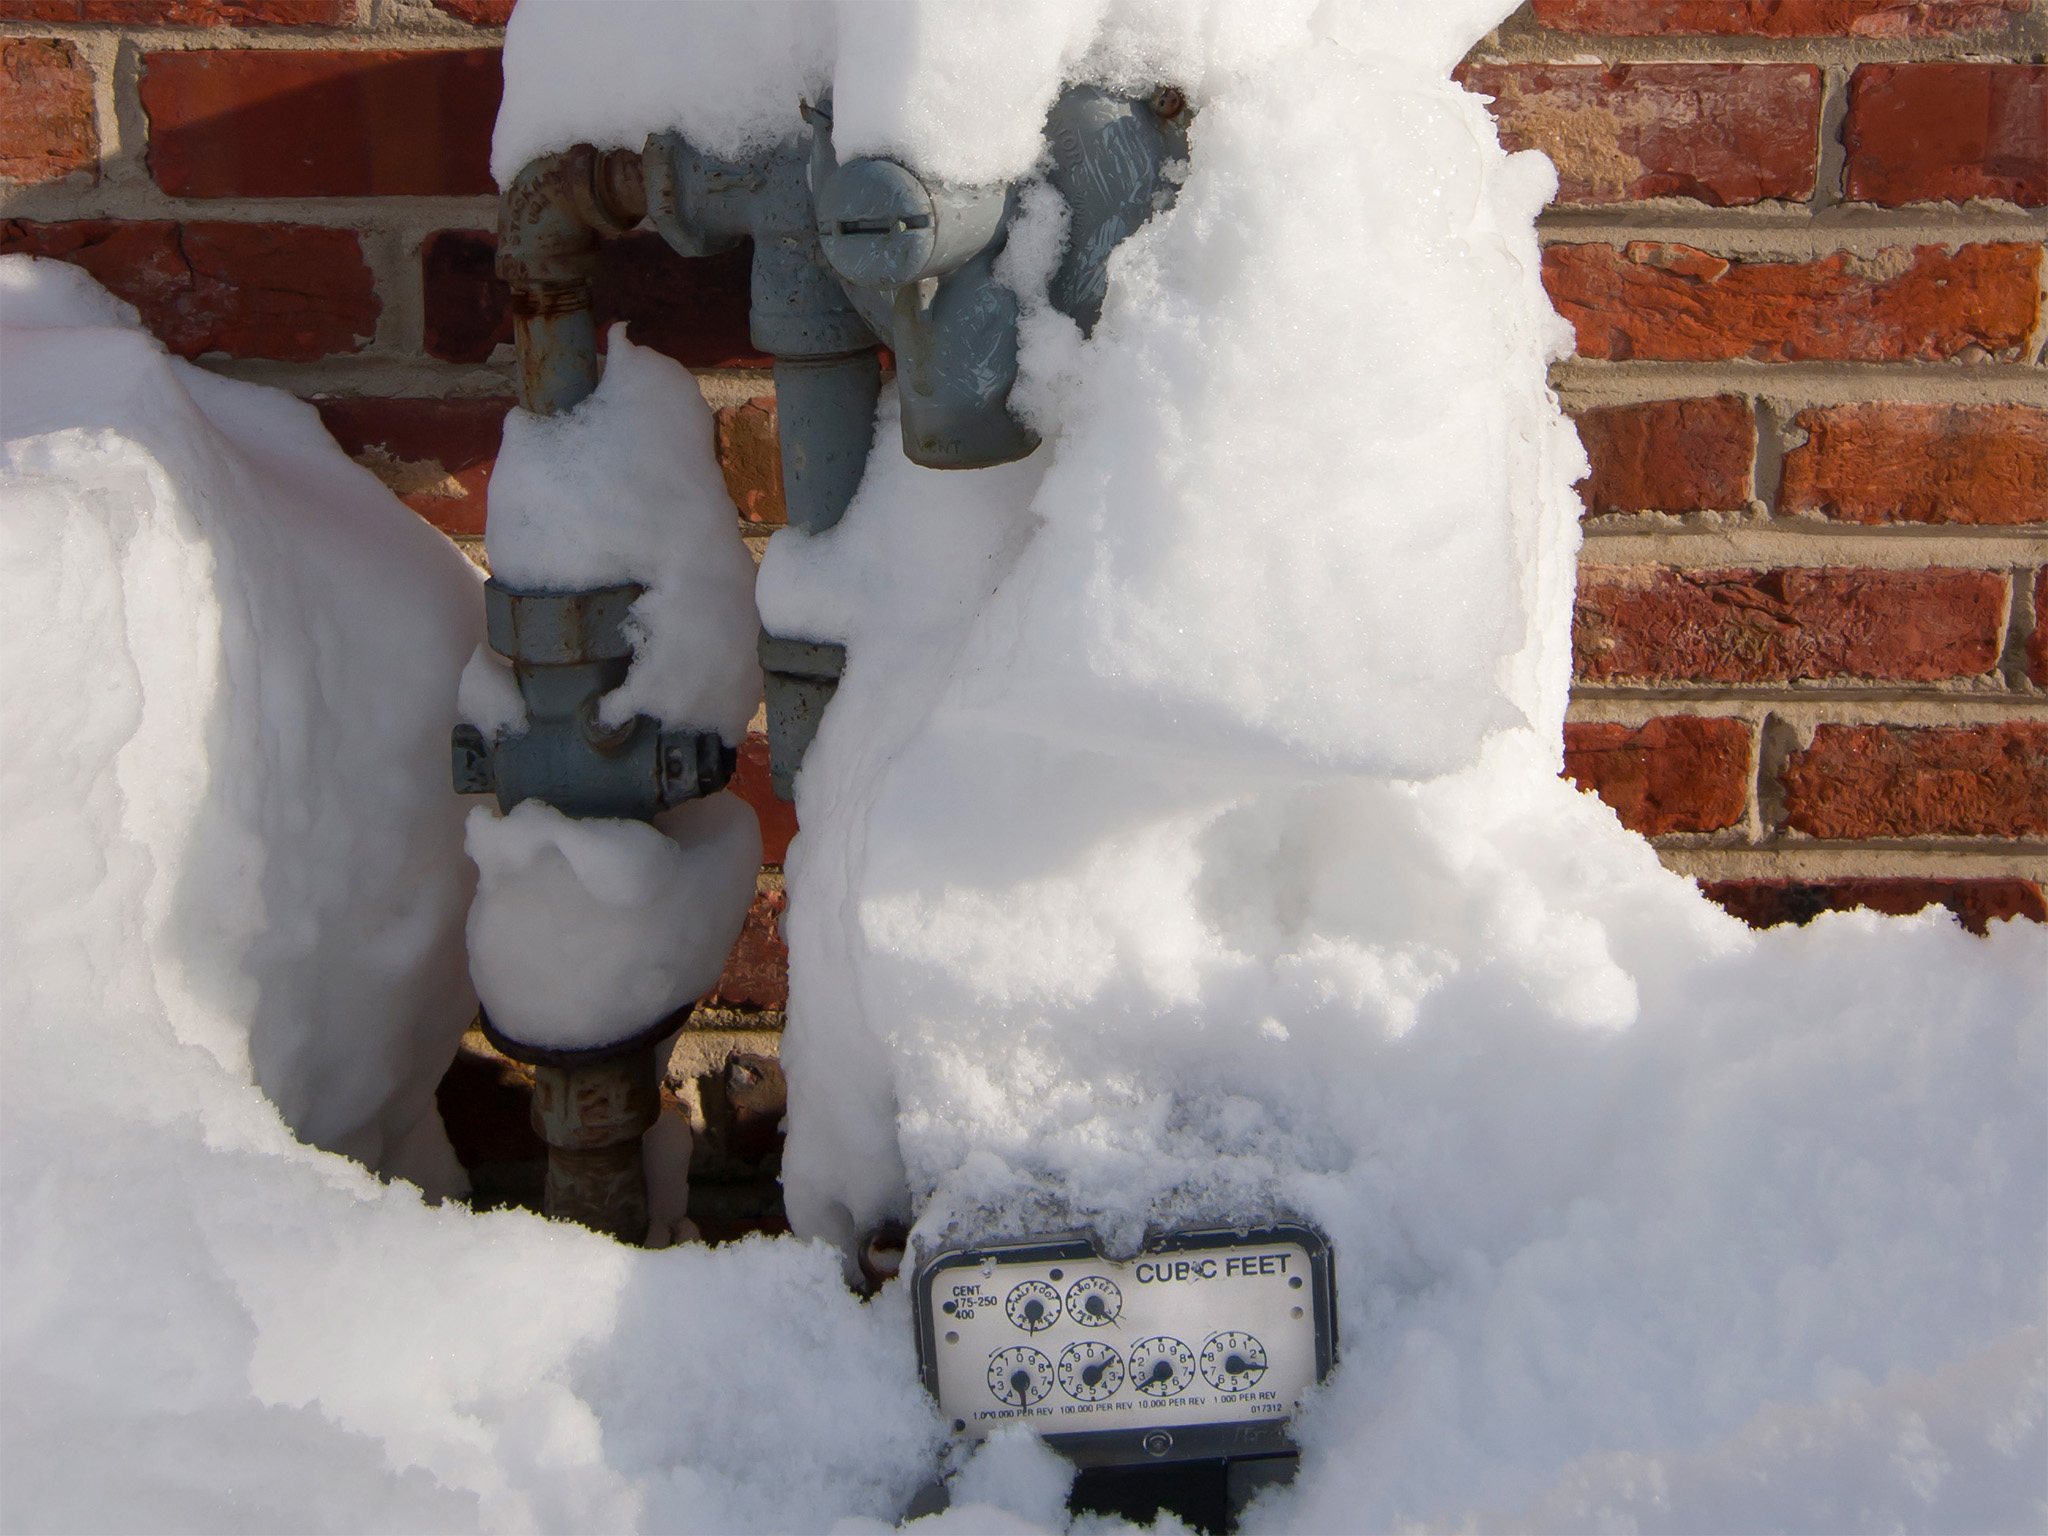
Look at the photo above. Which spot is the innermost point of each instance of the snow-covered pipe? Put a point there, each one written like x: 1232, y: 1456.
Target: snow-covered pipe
x: 568, y: 650
x: 844, y: 257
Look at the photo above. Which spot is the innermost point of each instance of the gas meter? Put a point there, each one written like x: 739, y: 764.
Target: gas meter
x: 1199, y: 1348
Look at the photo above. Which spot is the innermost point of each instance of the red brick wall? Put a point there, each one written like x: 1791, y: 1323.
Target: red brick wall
x: 1800, y: 245
x: 1799, y: 241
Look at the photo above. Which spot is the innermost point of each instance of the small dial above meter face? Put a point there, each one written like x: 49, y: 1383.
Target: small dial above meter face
x: 1094, y: 1302
x: 1090, y: 1370
x: 1233, y: 1362
x: 1162, y: 1367
x: 1033, y: 1306
x: 1019, y: 1375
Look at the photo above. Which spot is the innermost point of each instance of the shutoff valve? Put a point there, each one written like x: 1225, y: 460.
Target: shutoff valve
x: 569, y: 649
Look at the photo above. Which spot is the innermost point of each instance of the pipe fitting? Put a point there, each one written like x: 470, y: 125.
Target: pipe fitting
x: 556, y: 213
x: 592, y: 1107
x: 799, y: 678
x: 568, y: 650
x: 592, y: 1116
x: 883, y: 227
x: 552, y: 222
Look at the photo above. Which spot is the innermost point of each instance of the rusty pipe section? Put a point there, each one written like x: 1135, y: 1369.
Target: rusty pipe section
x: 552, y: 221
x: 592, y: 1116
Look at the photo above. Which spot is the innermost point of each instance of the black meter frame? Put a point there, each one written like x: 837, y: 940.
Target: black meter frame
x: 1229, y: 1440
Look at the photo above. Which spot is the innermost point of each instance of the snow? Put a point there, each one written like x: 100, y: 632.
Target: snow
x: 1185, y: 842
x: 586, y: 932
x: 206, y: 717
x: 235, y: 870
x: 626, y: 488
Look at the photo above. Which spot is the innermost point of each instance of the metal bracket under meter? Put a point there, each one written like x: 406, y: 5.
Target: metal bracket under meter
x: 1201, y: 1348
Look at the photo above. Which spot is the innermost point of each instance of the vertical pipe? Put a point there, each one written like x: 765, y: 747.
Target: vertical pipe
x: 592, y: 1115
x: 556, y: 333
x: 825, y: 413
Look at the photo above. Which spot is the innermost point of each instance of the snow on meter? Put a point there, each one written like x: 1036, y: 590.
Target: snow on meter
x: 1200, y: 1348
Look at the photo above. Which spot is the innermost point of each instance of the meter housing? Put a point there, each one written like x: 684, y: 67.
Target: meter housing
x: 1199, y: 1348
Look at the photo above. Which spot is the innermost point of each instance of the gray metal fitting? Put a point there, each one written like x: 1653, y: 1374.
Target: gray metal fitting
x: 592, y: 1116
x: 704, y: 203
x: 799, y: 678
x: 569, y: 649
x: 881, y: 226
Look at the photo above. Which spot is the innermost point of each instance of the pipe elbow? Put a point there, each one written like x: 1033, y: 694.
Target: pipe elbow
x: 560, y: 208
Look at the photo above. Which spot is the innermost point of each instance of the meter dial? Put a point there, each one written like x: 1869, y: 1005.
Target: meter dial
x: 1094, y: 1302
x: 1162, y: 1366
x: 1090, y: 1370
x: 1233, y: 1362
x: 1019, y: 1375
x: 1033, y: 1306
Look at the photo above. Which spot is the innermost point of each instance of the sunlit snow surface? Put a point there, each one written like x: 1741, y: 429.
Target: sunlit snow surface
x: 1186, y: 840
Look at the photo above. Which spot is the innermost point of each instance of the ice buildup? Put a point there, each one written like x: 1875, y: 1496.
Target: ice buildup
x: 625, y: 488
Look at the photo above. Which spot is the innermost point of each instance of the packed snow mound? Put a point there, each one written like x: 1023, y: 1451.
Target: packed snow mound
x: 589, y: 931
x: 959, y: 90
x: 1185, y: 844
x: 626, y: 488
x: 233, y: 858
x: 241, y: 652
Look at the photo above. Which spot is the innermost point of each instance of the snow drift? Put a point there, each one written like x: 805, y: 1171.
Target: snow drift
x: 1185, y: 840
x: 233, y: 670
x: 234, y: 866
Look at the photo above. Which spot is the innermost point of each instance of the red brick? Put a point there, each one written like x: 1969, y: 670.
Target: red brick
x: 47, y: 127
x: 1776, y: 18
x: 1677, y: 304
x: 1947, y: 132
x: 1881, y: 462
x: 1669, y: 456
x: 750, y: 454
x: 1636, y: 131
x: 1976, y: 903
x: 694, y: 309
x: 272, y: 122
x: 1859, y: 781
x: 436, y: 455
x: 750, y: 781
x: 468, y: 311
x: 1680, y: 773
x: 291, y: 292
x: 1645, y: 623
x: 478, y: 13
x: 757, y: 968
x: 185, y: 13
x: 2037, y: 642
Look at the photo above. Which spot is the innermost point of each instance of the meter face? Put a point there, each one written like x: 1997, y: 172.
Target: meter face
x: 1202, y: 1346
